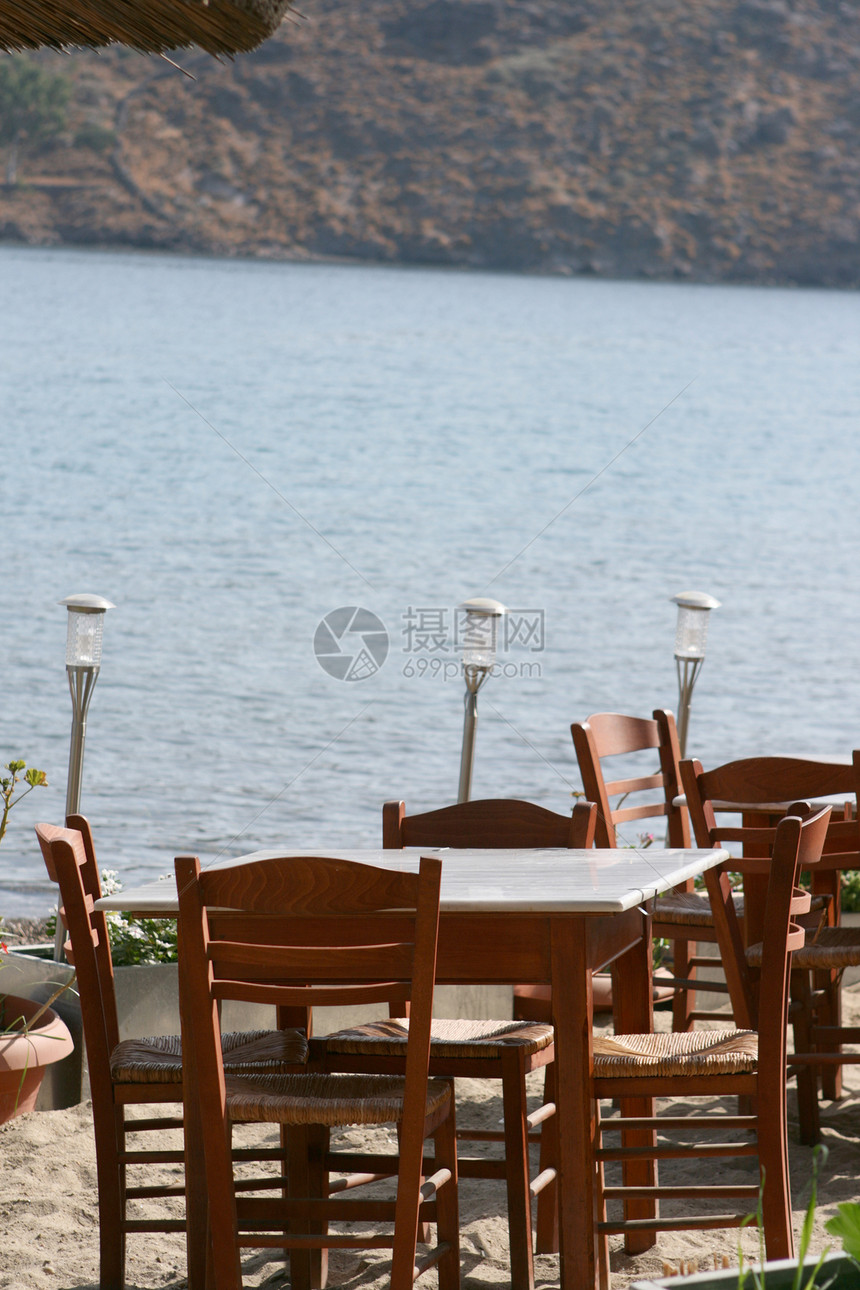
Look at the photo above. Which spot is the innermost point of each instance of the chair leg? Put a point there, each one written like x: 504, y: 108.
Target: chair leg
x: 318, y: 1150
x: 223, y: 1269
x: 684, y: 1000
x: 110, y: 1139
x: 447, y: 1204
x: 826, y: 883
x: 604, y: 1279
x: 423, y: 1228
x: 284, y: 1135
x: 209, y: 1279
x: 807, y: 1081
x: 306, y: 1174
x: 408, y: 1204
x: 546, y: 1226
x: 517, y: 1169
x: 773, y: 1163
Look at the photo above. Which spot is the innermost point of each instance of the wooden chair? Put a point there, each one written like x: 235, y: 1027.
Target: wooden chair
x: 719, y: 1062
x: 133, y: 1071
x: 759, y: 787
x: 503, y: 1050
x: 683, y: 916
x: 289, y: 920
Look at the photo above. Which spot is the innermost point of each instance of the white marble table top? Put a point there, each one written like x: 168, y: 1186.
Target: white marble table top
x: 477, y: 880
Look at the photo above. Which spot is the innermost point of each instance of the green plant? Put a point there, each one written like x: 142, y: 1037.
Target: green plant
x: 138, y: 940
x: 846, y: 1225
x: 851, y: 890
x: 134, y: 941
x: 801, y: 1280
x: 659, y: 949
x: 758, y: 1219
x: 18, y: 773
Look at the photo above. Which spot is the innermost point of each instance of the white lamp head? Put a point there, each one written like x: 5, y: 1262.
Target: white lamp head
x: 480, y: 630
x: 691, y: 632
x: 84, y: 637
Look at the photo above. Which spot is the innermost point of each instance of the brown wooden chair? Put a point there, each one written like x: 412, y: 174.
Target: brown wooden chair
x: 743, y: 1063
x: 758, y: 788
x: 683, y: 916
x: 332, y: 921
x: 504, y: 1050
x: 130, y: 1072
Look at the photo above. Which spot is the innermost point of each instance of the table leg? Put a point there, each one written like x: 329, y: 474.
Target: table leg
x: 633, y: 1013
x: 572, y: 1006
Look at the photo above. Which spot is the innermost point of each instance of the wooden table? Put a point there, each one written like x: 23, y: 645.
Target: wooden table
x: 530, y: 916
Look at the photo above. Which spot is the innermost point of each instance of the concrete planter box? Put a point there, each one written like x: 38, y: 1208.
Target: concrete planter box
x: 148, y: 1004
x: 837, y: 1272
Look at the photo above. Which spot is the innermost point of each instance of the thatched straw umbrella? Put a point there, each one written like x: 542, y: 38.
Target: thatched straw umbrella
x: 150, y: 26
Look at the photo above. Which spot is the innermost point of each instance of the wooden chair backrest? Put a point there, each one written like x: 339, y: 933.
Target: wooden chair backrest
x: 797, y: 844
x: 69, y: 857
x: 259, y: 932
x: 756, y: 783
x: 611, y: 734
x: 494, y: 823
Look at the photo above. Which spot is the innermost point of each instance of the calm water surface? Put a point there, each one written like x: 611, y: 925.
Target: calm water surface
x: 229, y: 451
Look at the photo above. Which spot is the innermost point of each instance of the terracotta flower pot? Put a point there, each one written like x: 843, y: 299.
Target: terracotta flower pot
x: 23, y: 1057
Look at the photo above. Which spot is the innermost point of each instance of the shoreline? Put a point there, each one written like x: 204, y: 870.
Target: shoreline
x: 646, y: 275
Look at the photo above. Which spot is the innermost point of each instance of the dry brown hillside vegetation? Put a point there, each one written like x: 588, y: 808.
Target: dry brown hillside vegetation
x: 714, y: 141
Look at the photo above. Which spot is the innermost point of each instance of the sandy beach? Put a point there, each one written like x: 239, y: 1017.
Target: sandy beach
x: 49, y: 1223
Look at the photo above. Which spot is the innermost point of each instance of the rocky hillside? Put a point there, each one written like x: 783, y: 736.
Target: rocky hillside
x: 715, y: 141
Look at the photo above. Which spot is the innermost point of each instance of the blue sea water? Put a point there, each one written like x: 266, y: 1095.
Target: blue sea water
x: 229, y: 451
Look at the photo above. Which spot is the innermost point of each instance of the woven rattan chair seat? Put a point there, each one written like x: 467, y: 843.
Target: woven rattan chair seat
x: 689, y: 909
x: 454, y: 1038
x: 159, y: 1060
x: 833, y: 948
x: 694, y: 1052
x: 326, y: 1099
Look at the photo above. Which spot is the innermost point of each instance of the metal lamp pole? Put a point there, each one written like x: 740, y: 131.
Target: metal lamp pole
x: 479, y: 654
x: 691, y: 634
x: 83, y: 662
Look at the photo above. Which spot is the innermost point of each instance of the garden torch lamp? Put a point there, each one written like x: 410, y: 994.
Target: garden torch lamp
x: 480, y: 630
x: 83, y: 661
x: 691, y: 633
